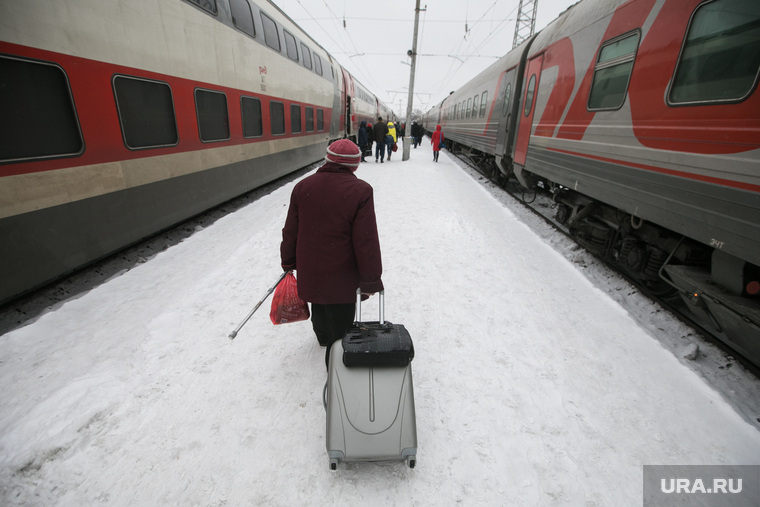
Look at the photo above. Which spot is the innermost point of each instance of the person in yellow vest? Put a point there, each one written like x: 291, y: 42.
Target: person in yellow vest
x: 390, y: 139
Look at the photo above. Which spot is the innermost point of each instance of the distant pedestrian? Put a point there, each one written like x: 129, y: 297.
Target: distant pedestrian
x: 390, y: 139
x: 379, y: 131
x: 370, y: 139
x: 416, y: 135
x: 362, y: 138
x: 437, y: 142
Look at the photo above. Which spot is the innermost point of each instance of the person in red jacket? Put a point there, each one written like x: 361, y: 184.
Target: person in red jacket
x: 436, y: 140
x: 330, y: 238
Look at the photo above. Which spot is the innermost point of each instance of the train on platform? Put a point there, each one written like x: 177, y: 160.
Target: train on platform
x: 641, y: 120
x: 123, y: 118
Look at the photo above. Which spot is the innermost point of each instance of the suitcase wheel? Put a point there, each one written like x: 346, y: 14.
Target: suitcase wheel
x: 333, y: 464
x: 412, y: 461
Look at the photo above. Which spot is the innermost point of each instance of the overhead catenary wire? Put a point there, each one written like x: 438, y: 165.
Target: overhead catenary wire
x: 354, y: 32
x: 461, y: 56
x: 366, y: 79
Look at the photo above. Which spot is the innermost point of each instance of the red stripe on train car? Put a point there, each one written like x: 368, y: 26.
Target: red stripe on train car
x: 92, y: 91
x: 672, y: 172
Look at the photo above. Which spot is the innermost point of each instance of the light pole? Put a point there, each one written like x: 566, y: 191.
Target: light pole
x: 413, y: 54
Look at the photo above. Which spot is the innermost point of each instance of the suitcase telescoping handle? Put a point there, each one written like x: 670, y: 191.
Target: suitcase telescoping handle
x: 359, y: 306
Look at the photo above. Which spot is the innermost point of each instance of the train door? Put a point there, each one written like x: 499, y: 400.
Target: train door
x: 337, y: 104
x: 349, y: 131
x: 528, y: 109
x: 348, y: 93
x: 504, y: 109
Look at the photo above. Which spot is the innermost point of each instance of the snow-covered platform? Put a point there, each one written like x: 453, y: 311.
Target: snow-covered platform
x: 534, y: 383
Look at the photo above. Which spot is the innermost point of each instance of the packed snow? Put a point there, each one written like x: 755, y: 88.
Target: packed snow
x: 540, y: 378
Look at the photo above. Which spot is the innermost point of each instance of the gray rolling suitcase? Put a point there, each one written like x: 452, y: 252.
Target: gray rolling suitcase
x: 370, y: 409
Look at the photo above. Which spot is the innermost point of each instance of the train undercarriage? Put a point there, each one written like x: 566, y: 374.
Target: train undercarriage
x: 719, y: 292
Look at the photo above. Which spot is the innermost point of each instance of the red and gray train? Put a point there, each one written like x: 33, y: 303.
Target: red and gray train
x: 122, y: 118
x: 642, y: 119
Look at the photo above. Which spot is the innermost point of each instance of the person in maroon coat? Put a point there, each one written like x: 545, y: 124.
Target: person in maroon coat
x: 330, y: 238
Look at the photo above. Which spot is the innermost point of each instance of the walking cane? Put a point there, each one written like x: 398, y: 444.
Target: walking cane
x: 271, y: 289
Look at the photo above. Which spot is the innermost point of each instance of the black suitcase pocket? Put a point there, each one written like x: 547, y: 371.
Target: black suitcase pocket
x: 375, y: 344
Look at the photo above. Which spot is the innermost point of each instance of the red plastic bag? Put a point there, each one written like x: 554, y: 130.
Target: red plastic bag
x: 286, y: 305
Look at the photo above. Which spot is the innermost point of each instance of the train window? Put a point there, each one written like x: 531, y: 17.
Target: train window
x: 242, y: 17
x: 507, y: 98
x: 309, y: 119
x: 483, y: 99
x: 529, y: 94
x: 475, y: 106
x: 271, y: 34
x: 295, y: 118
x: 320, y: 120
x: 613, y: 72
x: 251, y: 111
x: 317, y: 64
x: 277, y: 117
x: 213, y: 120
x: 37, y: 115
x: 291, y: 46
x: 720, y: 57
x: 206, y: 5
x: 146, y: 112
x: 306, y: 56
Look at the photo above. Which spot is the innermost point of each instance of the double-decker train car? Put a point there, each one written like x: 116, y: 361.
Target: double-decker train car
x: 121, y: 118
x: 385, y: 112
x: 642, y: 119
x: 363, y: 106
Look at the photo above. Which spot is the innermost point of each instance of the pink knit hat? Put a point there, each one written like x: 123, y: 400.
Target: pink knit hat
x: 345, y: 153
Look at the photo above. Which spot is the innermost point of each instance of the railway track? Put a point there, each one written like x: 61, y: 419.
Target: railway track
x: 539, y: 203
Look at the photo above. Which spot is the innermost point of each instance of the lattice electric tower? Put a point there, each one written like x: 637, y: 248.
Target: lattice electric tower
x: 526, y: 21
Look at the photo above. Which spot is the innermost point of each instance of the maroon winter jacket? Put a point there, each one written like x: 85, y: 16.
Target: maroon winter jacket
x: 330, y: 237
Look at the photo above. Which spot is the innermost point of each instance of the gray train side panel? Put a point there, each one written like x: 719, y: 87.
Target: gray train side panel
x: 370, y: 412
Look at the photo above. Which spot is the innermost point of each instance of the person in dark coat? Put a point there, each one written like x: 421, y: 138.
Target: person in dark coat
x: 370, y: 139
x: 362, y: 138
x: 416, y: 135
x: 379, y: 131
x: 330, y: 238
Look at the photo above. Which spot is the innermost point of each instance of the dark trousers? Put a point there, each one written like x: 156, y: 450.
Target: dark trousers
x: 389, y: 145
x: 379, y: 151
x: 330, y: 323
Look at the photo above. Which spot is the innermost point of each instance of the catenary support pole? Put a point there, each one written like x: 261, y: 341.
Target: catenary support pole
x: 409, y: 103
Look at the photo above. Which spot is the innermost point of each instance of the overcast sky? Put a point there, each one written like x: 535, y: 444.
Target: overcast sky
x: 377, y: 35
